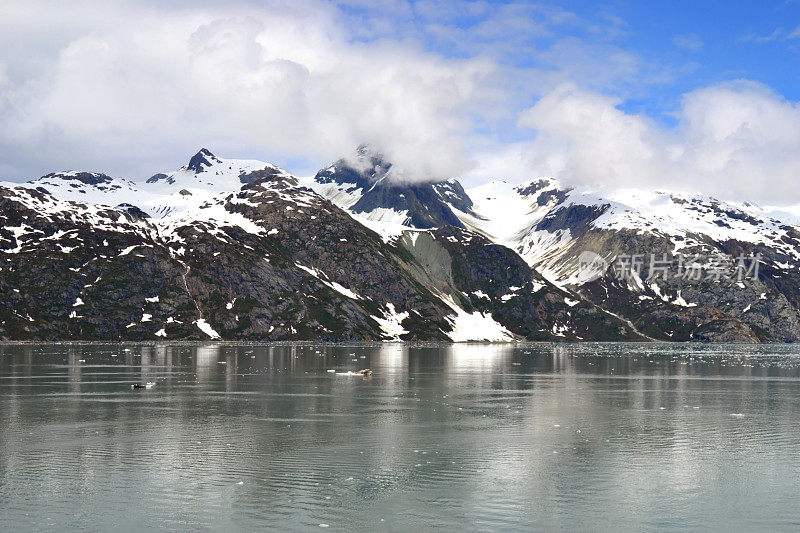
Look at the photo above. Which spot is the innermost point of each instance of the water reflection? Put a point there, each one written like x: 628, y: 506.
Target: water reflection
x: 592, y: 436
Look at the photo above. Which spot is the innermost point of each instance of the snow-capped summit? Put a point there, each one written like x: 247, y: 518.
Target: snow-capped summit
x: 366, y: 187
x: 86, y: 187
x: 211, y: 173
x: 201, y: 160
x: 165, y: 193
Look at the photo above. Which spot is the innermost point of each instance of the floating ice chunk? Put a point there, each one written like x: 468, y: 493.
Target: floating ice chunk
x: 365, y: 372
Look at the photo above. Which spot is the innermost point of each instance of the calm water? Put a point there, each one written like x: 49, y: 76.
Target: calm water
x: 478, y: 437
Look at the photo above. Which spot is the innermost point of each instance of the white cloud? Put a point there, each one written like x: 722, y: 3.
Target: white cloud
x: 736, y: 140
x: 583, y: 137
x: 282, y: 79
x: 688, y: 41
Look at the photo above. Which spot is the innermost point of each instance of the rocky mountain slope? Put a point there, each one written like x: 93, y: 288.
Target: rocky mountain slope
x: 237, y: 249
x: 367, y: 187
x: 676, y: 267
x: 680, y: 267
x: 241, y: 249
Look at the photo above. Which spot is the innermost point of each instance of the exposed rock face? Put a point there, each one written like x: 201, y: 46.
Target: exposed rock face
x: 155, y: 178
x: 489, y: 278
x: 133, y: 211
x: 89, y: 178
x: 370, y: 181
x: 201, y: 161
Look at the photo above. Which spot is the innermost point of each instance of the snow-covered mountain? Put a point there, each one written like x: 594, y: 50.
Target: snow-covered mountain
x: 203, y: 177
x: 242, y: 250
x: 553, y: 227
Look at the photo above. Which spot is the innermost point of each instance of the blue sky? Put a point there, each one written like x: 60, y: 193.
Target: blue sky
x: 685, y: 43
x: 701, y: 95
x: 711, y: 42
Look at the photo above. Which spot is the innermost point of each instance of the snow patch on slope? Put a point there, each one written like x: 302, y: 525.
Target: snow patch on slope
x: 391, y: 322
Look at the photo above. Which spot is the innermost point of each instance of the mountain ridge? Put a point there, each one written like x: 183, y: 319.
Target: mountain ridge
x: 437, y: 262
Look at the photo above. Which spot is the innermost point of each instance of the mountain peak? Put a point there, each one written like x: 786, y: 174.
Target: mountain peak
x: 87, y: 178
x: 202, y: 159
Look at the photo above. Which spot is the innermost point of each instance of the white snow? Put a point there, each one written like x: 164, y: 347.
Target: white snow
x: 390, y: 322
x: 332, y: 284
x: 475, y: 326
x: 206, y: 328
x: 342, y: 289
x: 388, y: 223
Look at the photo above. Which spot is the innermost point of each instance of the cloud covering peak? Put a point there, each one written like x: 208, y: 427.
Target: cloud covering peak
x: 442, y: 89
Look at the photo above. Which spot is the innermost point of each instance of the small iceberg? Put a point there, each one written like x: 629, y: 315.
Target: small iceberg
x: 365, y: 372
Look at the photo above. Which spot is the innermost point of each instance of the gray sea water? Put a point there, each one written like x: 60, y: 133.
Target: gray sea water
x: 466, y: 437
